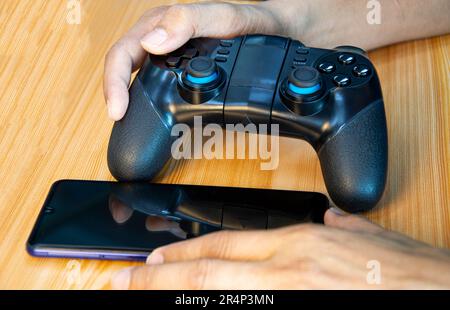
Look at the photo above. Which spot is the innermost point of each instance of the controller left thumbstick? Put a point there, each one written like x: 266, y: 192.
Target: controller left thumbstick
x: 201, y: 73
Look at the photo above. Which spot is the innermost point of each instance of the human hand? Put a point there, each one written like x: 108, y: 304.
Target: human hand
x: 307, y: 256
x: 164, y: 29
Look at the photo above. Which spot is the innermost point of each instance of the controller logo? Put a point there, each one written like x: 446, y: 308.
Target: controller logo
x: 212, y: 142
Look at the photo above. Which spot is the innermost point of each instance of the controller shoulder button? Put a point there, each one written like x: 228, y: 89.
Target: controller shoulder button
x: 352, y: 49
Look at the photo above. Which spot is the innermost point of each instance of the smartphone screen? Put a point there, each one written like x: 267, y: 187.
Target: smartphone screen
x: 126, y: 221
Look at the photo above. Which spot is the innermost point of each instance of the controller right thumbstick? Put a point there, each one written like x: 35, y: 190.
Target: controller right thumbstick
x: 302, y: 89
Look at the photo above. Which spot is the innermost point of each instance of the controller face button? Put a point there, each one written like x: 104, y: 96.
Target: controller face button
x: 302, y: 51
x: 223, y: 51
x: 361, y: 70
x: 342, y: 80
x: 346, y: 59
x: 327, y: 67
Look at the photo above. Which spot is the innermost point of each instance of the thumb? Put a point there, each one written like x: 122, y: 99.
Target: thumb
x: 179, y: 23
x: 339, y: 219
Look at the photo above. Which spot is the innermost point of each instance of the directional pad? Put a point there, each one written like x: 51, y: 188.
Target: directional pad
x: 190, y: 53
x: 174, y: 59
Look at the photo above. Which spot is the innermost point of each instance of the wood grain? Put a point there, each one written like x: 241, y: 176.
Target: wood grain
x: 54, y: 125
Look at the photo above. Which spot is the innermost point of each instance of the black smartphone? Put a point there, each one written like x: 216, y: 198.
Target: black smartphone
x: 126, y: 221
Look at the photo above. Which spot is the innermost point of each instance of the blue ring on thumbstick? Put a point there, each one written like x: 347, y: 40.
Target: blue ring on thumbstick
x: 304, y: 90
x: 202, y: 80
x: 304, y: 81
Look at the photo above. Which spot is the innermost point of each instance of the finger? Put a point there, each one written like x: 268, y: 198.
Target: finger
x: 180, y: 23
x: 119, y: 211
x: 200, y: 274
x: 227, y: 245
x: 123, y: 58
x: 339, y: 219
x: 156, y: 223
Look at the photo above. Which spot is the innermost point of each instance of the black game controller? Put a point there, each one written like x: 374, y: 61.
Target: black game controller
x: 330, y: 98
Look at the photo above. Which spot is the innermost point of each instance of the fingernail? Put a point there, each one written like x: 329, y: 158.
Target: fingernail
x: 121, y: 280
x: 338, y: 211
x: 155, y: 38
x: 155, y: 258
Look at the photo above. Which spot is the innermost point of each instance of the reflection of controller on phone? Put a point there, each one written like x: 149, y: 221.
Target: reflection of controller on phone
x: 330, y: 98
x: 198, y: 209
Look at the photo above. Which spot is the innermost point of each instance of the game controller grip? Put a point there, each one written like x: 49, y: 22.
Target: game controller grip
x: 354, y: 161
x: 140, y: 142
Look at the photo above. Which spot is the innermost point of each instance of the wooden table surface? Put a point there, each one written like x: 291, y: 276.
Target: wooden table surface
x: 54, y: 125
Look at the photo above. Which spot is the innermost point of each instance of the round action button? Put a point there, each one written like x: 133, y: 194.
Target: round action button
x: 201, y: 70
x: 304, y: 81
x: 361, y: 70
x: 346, y: 59
x: 342, y: 80
x: 327, y: 67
